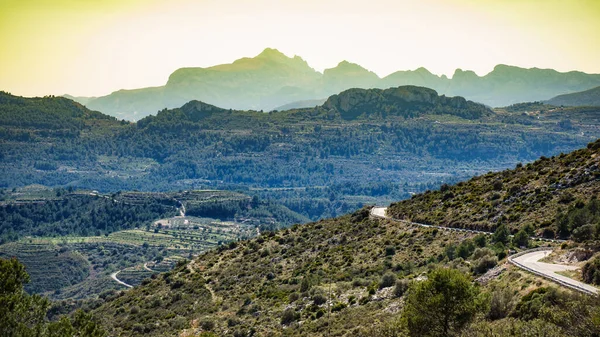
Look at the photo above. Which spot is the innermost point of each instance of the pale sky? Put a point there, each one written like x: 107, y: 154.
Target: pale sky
x: 94, y: 47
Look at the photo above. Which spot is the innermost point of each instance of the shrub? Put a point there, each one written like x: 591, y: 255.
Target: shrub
x: 465, y: 249
x: 387, y: 281
x: 591, y: 271
x: 481, y: 252
x: 305, y: 285
x: 501, y: 303
x: 207, y: 324
x: 480, y: 240
x: 521, y: 239
x: 390, y: 250
x: 501, y: 235
x: 288, y: 316
x: 400, y: 287
x: 485, y: 263
x: 231, y: 322
x: 338, y: 306
x: 319, y: 299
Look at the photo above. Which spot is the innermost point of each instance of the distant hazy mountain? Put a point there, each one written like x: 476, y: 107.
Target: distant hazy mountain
x: 309, y: 103
x: 81, y: 100
x: 584, y: 98
x: 271, y: 79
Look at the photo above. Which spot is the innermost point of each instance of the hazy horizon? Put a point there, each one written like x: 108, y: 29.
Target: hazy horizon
x: 94, y: 48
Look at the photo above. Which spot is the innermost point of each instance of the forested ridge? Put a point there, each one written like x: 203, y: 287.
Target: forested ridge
x: 405, y: 140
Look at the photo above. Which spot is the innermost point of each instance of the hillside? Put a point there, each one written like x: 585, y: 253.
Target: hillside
x: 271, y: 79
x: 360, y: 147
x: 71, y: 241
x: 355, y: 275
x: 555, y: 196
x: 584, y: 98
x: 405, y: 101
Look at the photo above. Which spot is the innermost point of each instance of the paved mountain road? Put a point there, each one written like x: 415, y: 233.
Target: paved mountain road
x: 528, y: 261
x: 532, y: 261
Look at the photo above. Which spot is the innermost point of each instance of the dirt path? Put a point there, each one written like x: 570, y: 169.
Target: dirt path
x: 114, y: 277
x: 147, y: 268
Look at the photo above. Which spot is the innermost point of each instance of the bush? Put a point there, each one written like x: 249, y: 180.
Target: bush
x: 501, y: 304
x: 521, y: 239
x: 465, y: 249
x: 387, y: 281
x: 288, y: 316
x: 319, y: 299
x: 338, y: 306
x: 293, y: 297
x: 481, y: 252
x: 480, y: 240
x: 400, y: 287
x: 390, y: 251
x: 484, y: 264
x: 501, y: 235
x: 591, y: 271
x: 207, y: 324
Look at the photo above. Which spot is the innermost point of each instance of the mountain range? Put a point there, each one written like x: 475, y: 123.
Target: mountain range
x: 360, y: 146
x: 271, y: 80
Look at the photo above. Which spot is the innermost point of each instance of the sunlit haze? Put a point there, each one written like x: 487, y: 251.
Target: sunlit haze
x: 94, y: 47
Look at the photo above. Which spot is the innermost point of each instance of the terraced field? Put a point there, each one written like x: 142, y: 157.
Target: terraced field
x: 135, y: 275
x: 50, y: 267
x: 75, y: 267
x: 68, y: 264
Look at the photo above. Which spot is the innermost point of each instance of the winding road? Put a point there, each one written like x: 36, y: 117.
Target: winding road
x: 527, y: 260
x: 114, y: 277
x: 531, y: 261
x: 380, y: 212
x: 147, y: 268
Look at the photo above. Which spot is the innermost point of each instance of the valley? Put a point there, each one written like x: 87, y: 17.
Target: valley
x: 320, y: 162
x: 82, y: 264
x: 393, y: 169
x: 247, y: 260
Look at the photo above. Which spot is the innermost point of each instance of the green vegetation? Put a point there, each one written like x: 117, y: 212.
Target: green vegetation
x: 591, y: 271
x: 361, y: 147
x: 349, y: 275
x: 442, y: 305
x: 50, y: 267
x: 369, y: 277
x: 338, y: 276
x: 70, y: 266
x: 67, y: 213
x: 589, y: 97
x: 24, y: 315
x: 552, y: 197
